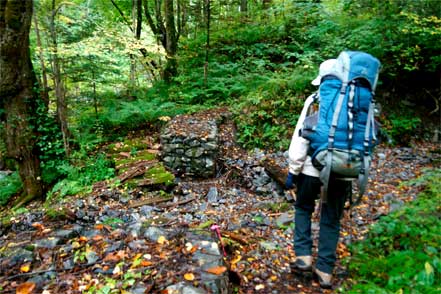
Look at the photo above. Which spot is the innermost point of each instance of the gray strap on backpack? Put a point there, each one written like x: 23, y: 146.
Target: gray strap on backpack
x: 325, y: 173
x: 364, y: 172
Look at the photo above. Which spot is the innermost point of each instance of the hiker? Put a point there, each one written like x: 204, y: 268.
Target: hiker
x: 305, y: 177
x: 330, y: 148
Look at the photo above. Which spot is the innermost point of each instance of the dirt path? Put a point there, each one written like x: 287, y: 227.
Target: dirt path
x: 85, y: 243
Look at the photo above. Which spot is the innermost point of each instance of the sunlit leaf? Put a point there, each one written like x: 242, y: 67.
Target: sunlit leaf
x: 25, y: 288
x: 25, y: 267
x: 428, y: 268
x: 217, y: 270
x: 189, y: 276
x: 162, y: 240
x: 236, y: 259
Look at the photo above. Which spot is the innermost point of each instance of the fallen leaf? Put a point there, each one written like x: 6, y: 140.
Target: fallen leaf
x: 97, y: 238
x: 189, y: 276
x: 99, y: 226
x: 236, y: 259
x: 115, y: 256
x: 116, y: 270
x: 25, y: 267
x: 161, y: 240
x: 38, y: 226
x: 146, y: 263
x: 217, y: 270
x: 25, y: 288
x: 82, y: 239
x: 260, y: 287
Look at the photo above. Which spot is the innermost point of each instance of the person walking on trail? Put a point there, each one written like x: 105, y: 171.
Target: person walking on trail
x: 305, y: 177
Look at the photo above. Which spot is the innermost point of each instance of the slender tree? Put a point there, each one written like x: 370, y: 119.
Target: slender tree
x: 207, y: 45
x: 18, y: 97
x: 162, y: 21
x: 43, y: 83
x: 60, y: 91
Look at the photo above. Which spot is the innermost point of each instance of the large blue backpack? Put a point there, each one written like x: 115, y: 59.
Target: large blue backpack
x: 343, y: 133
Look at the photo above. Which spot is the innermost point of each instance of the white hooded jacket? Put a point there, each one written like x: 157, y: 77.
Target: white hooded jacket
x: 299, y: 160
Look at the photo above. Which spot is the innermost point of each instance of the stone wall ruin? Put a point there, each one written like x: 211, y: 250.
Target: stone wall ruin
x: 190, y: 145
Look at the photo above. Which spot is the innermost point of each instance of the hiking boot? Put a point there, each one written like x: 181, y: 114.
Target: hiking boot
x: 303, y: 263
x: 324, y: 279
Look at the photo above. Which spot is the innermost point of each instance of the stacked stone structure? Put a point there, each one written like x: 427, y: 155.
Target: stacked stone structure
x: 190, y: 145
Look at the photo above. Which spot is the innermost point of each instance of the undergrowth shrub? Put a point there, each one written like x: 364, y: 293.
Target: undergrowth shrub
x: 9, y: 186
x: 81, y: 176
x: 267, y: 116
x: 402, y: 127
x: 401, y: 253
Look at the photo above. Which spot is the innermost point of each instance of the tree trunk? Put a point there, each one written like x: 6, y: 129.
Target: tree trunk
x: 44, y: 92
x: 60, y: 92
x: 266, y: 4
x: 244, y: 6
x: 170, y: 69
x: 207, y: 48
x: 20, y: 101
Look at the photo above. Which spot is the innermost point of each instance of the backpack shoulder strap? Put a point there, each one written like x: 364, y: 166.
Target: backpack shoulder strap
x: 366, y: 162
x: 325, y: 173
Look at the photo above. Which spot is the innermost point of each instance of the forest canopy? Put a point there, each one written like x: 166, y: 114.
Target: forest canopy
x: 106, y: 68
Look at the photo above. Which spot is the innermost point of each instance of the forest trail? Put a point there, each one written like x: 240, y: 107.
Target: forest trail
x: 100, y: 241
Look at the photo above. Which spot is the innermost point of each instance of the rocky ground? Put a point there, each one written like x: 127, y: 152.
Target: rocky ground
x: 157, y: 239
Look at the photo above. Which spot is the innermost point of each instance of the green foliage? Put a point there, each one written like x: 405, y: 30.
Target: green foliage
x: 268, y: 115
x: 402, y: 128
x: 50, y: 144
x: 9, y: 186
x: 80, y: 177
x: 401, y: 253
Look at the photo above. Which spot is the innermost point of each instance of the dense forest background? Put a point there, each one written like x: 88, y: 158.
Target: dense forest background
x: 108, y: 68
x: 79, y: 78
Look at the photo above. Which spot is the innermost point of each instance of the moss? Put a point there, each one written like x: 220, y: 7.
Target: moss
x: 159, y: 175
x: 128, y: 145
x: 141, y: 155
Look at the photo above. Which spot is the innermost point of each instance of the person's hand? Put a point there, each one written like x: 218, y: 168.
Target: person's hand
x: 291, y: 180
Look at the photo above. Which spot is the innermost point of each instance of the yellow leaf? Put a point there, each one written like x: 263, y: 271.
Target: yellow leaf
x: 25, y: 288
x: 429, y: 268
x: 189, y: 276
x: 217, y: 270
x: 25, y: 267
x: 260, y: 287
x: 161, y: 240
x: 236, y: 259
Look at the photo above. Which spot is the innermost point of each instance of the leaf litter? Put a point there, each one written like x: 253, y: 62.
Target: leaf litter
x: 101, y: 248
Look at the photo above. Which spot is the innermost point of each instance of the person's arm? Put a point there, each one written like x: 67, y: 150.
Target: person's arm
x: 298, y: 149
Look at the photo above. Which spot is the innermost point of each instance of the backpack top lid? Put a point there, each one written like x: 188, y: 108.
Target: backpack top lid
x: 353, y: 65
x: 326, y: 67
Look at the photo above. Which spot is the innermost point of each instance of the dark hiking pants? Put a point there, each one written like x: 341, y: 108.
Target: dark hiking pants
x: 308, y: 190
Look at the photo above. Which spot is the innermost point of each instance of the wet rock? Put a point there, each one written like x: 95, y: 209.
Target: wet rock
x: 89, y: 234
x: 184, y: 288
x: 13, y: 256
x: 396, y: 204
x: 212, y: 195
x: 269, y: 245
x: 68, y: 264
x: 48, y: 243
x: 153, y: 233
x: 284, y: 219
x: 91, y: 257
x: 146, y: 210
x: 65, y: 235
